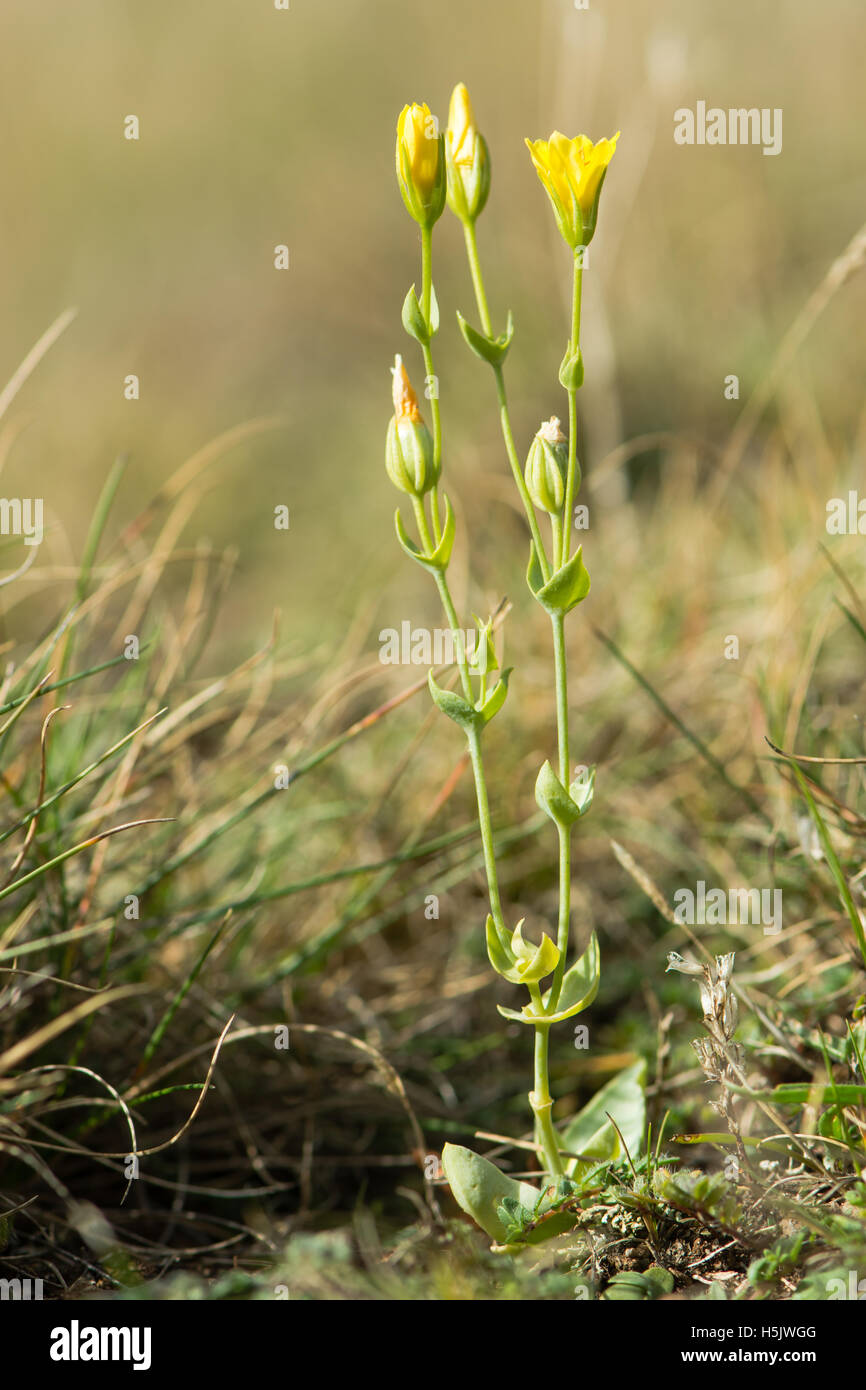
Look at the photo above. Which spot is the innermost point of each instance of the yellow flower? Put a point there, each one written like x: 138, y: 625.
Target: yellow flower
x: 467, y: 158
x: 421, y: 163
x: 572, y: 172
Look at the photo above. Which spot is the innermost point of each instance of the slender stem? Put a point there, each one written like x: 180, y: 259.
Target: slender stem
x: 574, y: 344
x: 477, y: 277
x: 473, y: 738
x: 447, y: 601
x: 511, y: 450
x: 504, y: 414
x: 561, y: 680
x: 542, y: 1103
x: 430, y: 382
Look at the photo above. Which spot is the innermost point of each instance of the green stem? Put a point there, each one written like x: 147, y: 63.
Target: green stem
x: 561, y: 680
x: 574, y: 344
x: 542, y: 1103
x: 477, y: 277
x: 511, y: 450
x: 504, y: 413
x: 473, y: 736
x: 430, y: 381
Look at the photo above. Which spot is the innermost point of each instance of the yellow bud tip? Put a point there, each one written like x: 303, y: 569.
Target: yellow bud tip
x: 405, y: 400
x: 461, y: 125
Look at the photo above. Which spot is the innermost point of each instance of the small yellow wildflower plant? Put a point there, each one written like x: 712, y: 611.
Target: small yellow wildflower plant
x: 456, y: 166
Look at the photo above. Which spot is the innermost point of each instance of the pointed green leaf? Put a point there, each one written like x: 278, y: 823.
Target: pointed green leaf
x: 579, y: 984
x: 499, y: 948
x: 492, y: 350
x: 519, y: 961
x: 554, y: 799
x: 413, y: 318
x: 454, y: 705
x: 582, y: 790
x: 439, y: 558
x: 496, y: 699
x: 565, y: 589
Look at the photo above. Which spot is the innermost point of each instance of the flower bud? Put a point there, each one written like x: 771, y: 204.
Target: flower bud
x: 421, y: 164
x: 409, y: 458
x: 546, y: 468
x: 467, y: 159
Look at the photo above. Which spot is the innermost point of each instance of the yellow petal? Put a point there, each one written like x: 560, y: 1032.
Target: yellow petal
x: 461, y: 125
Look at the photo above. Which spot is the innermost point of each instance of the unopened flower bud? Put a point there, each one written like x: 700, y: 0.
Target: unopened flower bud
x: 546, y: 468
x: 409, y: 457
x: 421, y: 164
x: 467, y: 158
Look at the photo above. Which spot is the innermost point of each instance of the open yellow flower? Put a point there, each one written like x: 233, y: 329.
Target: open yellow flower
x: 467, y: 158
x: 421, y: 163
x: 572, y: 172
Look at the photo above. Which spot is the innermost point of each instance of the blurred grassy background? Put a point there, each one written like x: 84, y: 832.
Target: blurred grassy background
x: 260, y: 127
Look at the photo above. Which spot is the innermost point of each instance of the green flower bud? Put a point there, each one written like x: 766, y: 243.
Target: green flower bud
x: 409, y: 457
x: 546, y: 468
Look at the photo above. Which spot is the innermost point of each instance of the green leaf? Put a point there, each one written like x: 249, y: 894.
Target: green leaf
x: 414, y: 321
x: 629, y: 1285
x: 496, y: 699
x: 519, y: 961
x: 553, y: 799
x: 582, y: 790
x: 492, y: 350
x: 439, y: 558
x: 800, y: 1093
x: 499, y: 950
x: 454, y: 705
x: 480, y: 1188
x: 591, y: 1133
x: 579, y: 984
x: 579, y: 988
x: 565, y: 588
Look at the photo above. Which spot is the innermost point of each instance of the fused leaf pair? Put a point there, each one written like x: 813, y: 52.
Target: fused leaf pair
x: 564, y: 590
x: 564, y: 807
x: 419, y: 327
x: 579, y: 987
x: 438, y: 558
x: 461, y: 711
x: 489, y: 349
x: 518, y: 960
